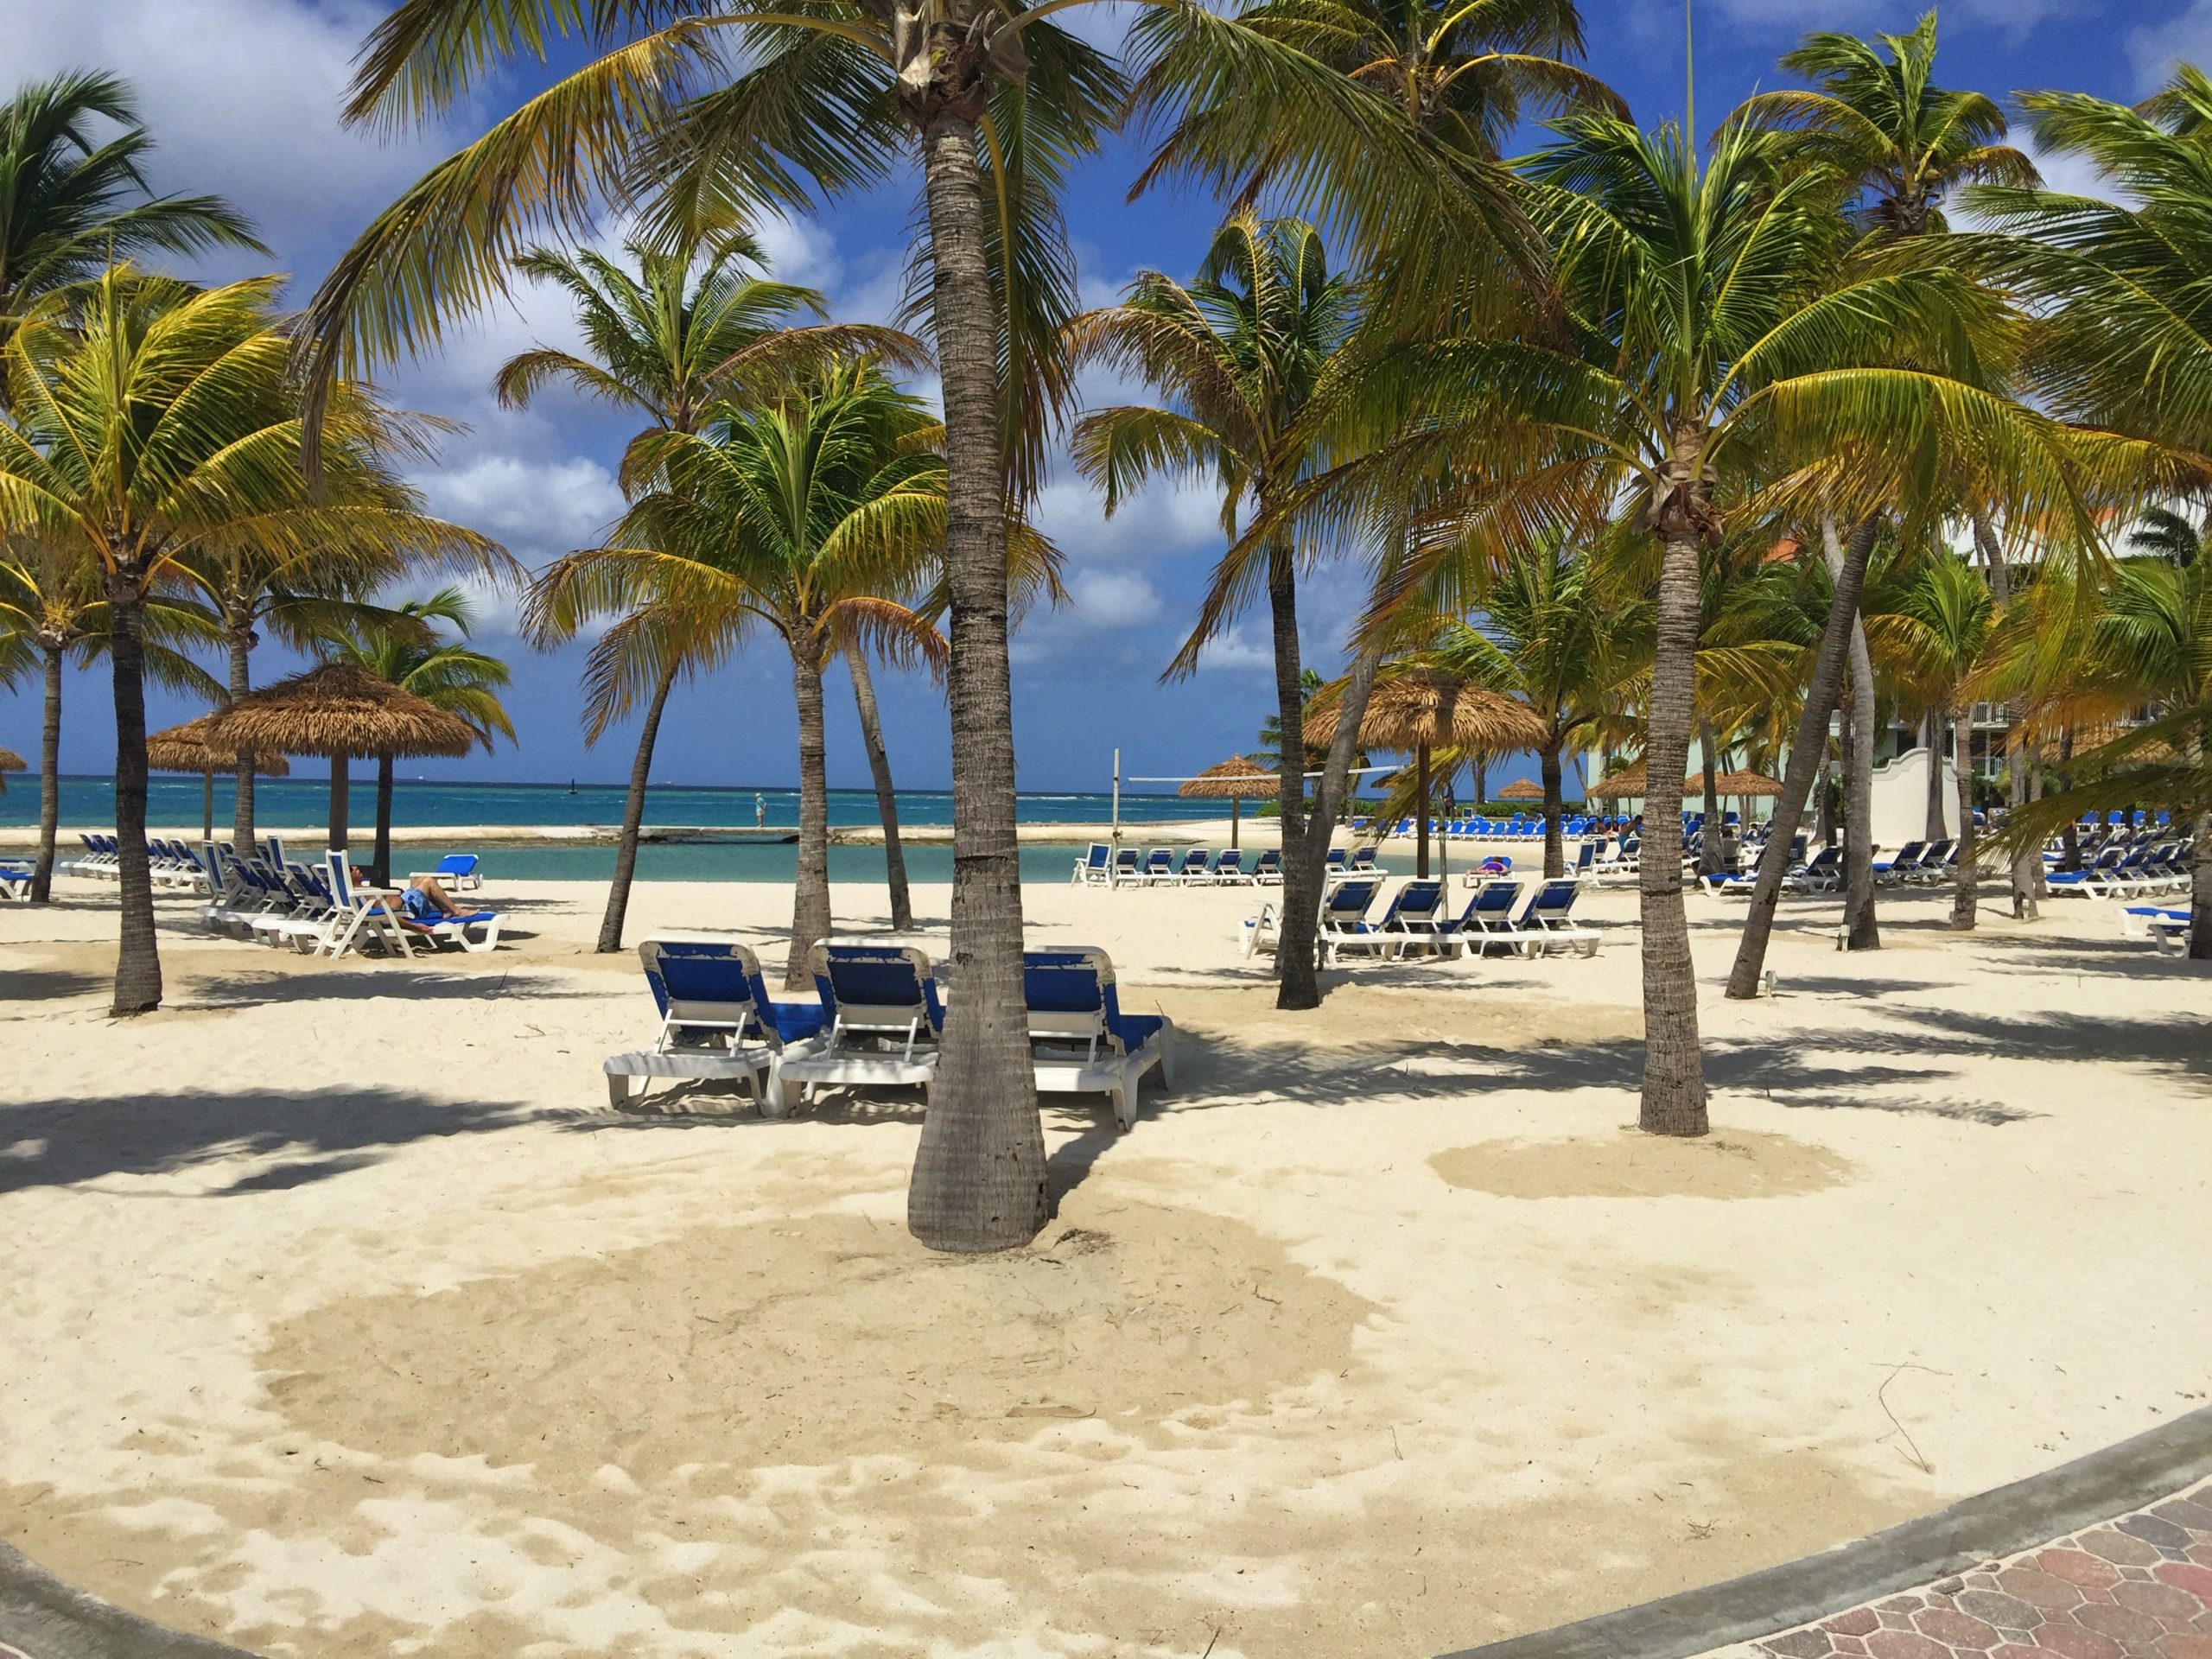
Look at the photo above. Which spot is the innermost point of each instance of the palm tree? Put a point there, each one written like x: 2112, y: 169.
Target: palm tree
x: 1554, y: 633
x: 51, y: 611
x: 1718, y: 316
x: 812, y: 517
x: 445, y: 673
x: 152, y: 419
x: 72, y: 202
x: 1939, y: 633
x: 723, y: 110
x: 1239, y: 355
x: 668, y: 335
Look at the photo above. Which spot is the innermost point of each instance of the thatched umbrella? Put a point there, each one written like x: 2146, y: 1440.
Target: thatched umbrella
x: 10, y: 762
x: 187, y: 748
x: 1421, y: 710
x: 1522, y: 789
x: 1622, y: 784
x: 1233, y: 780
x: 1743, y: 784
x: 341, y: 711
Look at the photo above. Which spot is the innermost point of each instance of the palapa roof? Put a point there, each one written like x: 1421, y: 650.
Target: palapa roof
x: 1235, y: 778
x: 187, y: 748
x: 1423, y: 710
x: 339, y: 709
x: 10, y: 762
x: 1627, y: 782
x: 1521, y: 789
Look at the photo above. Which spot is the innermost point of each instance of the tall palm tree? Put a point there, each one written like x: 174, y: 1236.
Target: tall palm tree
x: 1876, y: 115
x: 50, y: 612
x: 72, y: 201
x: 669, y: 334
x: 812, y: 518
x: 151, y: 419
x: 1715, y: 315
x: 725, y: 110
x: 1239, y: 355
x: 447, y: 673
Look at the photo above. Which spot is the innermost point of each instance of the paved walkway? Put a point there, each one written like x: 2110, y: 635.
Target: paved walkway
x: 2139, y: 1587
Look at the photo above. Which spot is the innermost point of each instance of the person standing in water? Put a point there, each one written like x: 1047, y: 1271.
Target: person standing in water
x: 759, y: 810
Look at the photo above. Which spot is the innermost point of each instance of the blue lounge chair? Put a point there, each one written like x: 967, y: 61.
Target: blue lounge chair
x: 1158, y: 866
x: 1363, y: 862
x: 1549, y: 921
x: 1229, y: 868
x: 1096, y: 867
x: 1336, y: 863
x: 1823, y: 872
x: 882, y: 1018
x: 1129, y: 867
x: 1900, y: 864
x: 1267, y: 868
x: 717, y: 1020
x: 1080, y: 1040
x: 455, y: 872
x: 1488, y: 918
x: 1343, y: 928
x: 14, y: 881
x: 1193, y: 867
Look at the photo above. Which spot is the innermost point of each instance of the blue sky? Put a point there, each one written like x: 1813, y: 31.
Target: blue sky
x: 243, y: 95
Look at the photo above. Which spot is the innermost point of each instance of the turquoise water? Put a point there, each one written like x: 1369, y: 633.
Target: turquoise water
x: 303, y: 803
x: 740, y: 861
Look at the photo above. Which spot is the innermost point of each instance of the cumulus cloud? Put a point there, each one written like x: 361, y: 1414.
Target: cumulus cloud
x: 537, y: 509
x: 2154, y: 49
x: 2015, y: 18
x: 1113, y: 598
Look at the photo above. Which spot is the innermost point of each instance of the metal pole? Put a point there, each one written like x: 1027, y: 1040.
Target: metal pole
x: 1117, y: 797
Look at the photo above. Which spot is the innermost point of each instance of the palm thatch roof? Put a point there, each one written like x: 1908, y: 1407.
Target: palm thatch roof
x: 1522, y: 789
x: 1737, y: 784
x: 1234, y: 779
x: 10, y: 762
x: 188, y: 748
x: 1626, y: 783
x: 339, y: 709
x: 1424, y: 711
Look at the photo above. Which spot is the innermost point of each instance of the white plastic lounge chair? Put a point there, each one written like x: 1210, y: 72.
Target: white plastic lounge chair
x: 1410, y: 921
x: 359, y: 914
x: 882, y: 1021
x: 1547, y: 924
x: 1094, y: 869
x: 717, y: 1020
x: 15, y: 882
x: 1487, y: 920
x: 1081, y: 1040
x: 1823, y: 872
x: 1267, y: 868
x: 1158, y: 866
x: 1343, y: 918
x: 1128, y: 869
x: 1193, y: 868
x: 1261, y: 933
x: 1229, y: 868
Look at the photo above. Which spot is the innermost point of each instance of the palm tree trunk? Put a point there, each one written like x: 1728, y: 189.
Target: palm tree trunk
x: 811, y: 892
x: 241, y: 682
x: 2200, y: 868
x: 2069, y: 839
x: 340, y: 782
x: 1963, y: 895
x: 1673, y: 1071
x: 979, y: 1178
x: 380, y: 864
x: 1861, y: 930
x: 1932, y: 740
x: 1420, y: 806
x: 887, y: 797
x: 1482, y: 781
x: 633, y: 815
x: 206, y: 804
x: 49, y: 781
x: 1711, y: 842
x: 2027, y: 863
x: 1296, y: 956
x: 1554, y: 845
x: 1808, y: 759
x: 137, y: 962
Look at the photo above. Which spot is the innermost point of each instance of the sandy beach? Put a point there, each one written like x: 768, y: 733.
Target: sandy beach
x: 343, y: 1316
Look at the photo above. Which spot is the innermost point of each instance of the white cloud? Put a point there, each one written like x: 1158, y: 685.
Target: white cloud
x: 538, y: 509
x: 1113, y: 598
x: 2154, y: 49
x: 1156, y: 521
x: 2015, y: 18
x: 1240, y: 650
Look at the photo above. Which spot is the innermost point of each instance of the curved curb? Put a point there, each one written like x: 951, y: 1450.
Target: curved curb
x: 47, y: 1620
x: 2074, y: 1496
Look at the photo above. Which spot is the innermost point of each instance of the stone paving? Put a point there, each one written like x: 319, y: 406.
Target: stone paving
x: 2136, y: 1588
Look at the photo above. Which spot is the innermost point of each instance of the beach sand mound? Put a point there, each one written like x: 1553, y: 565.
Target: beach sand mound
x: 1736, y: 1164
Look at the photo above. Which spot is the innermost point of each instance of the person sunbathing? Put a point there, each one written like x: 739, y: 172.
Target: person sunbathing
x: 421, y: 905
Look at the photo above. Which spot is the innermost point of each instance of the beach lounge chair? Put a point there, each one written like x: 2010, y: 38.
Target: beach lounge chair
x: 1344, y: 925
x: 1729, y: 884
x: 1094, y: 869
x: 717, y: 1020
x: 1900, y: 864
x: 1549, y: 924
x: 1193, y: 867
x: 1080, y: 1041
x: 359, y: 914
x: 1267, y: 868
x: 15, y: 882
x: 1128, y: 868
x: 2093, y: 880
x: 1158, y: 866
x: 1488, y: 919
x: 1362, y: 860
x: 1822, y: 873
x: 882, y: 1019
x: 1337, y: 863
x: 1229, y: 868
x: 456, y: 873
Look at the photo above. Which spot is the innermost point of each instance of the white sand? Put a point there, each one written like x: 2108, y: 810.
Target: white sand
x: 341, y: 1318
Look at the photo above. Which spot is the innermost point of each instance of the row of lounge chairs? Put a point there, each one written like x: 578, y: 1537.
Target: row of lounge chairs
x: 1917, y: 862
x: 1520, y: 827
x: 1102, y: 866
x: 878, y: 1021
x: 170, y: 863
x: 317, y: 909
x: 2125, y: 870
x: 1503, y: 913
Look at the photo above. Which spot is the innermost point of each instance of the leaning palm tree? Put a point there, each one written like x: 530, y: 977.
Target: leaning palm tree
x: 719, y: 110
x: 151, y: 419
x: 449, y: 674
x: 74, y: 199
x: 1939, y: 635
x: 667, y: 334
x: 51, y: 612
x: 813, y: 518
x: 1239, y: 356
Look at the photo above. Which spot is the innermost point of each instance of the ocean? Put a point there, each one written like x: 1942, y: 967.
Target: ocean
x: 301, y: 803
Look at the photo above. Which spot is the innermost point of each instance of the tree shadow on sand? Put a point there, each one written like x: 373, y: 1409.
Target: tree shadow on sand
x: 318, y: 1133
